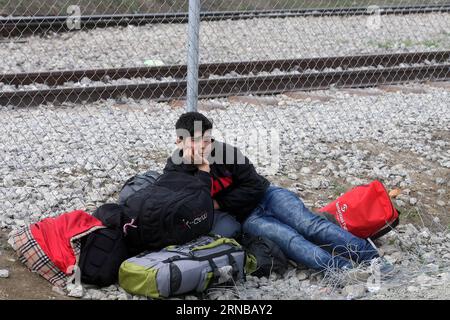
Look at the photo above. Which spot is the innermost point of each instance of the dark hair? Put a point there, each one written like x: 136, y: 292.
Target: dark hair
x: 185, y: 123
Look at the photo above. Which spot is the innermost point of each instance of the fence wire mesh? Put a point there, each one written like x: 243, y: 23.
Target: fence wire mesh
x: 90, y: 92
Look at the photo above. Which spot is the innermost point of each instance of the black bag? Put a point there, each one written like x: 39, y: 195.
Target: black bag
x: 112, y: 215
x: 102, y: 253
x: 269, y: 257
x: 136, y: 183
x: 176, y: 209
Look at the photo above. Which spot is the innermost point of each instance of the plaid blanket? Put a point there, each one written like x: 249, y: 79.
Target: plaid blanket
x: 31, y: 254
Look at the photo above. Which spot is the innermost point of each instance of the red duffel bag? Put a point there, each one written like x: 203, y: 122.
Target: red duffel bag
x: 365, y: 211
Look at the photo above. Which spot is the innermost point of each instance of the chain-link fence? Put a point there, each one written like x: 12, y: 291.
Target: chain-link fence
x: 90, y: 92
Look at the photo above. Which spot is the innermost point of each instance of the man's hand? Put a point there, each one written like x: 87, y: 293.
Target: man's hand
x: 204, y: 167
x: 197, y: 159
x: 216, y: 205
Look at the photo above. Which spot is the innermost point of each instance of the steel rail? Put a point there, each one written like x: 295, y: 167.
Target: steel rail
x: 18, y: 25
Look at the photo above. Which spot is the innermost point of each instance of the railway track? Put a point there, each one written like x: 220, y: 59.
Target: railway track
x: 16, y: 25
x: 280, y: 76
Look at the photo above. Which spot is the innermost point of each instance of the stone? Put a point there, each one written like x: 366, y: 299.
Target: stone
x: 315, y: 184
x: 292, y: 176
x: 305, y: 170
x: 436, y: 240
x: 412, y: 289
x: 400, y: 203
x: 425, y: 234
x: 273, y: 277
x: 302, y: 275
x: 432, y: 267
x: 412, y: 201
x: 354, y: 291
x: 19, y: 222
x: 305, y: 284
x: 96, y: 294
x: 4, y: 273
x: 389, y: 249
x: 75, y: 290
x: 123, y: 296
x: 424, y: 280
x: 440, y: 203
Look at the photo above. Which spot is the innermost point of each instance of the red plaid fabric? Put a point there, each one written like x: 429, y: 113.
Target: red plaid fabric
x: 31, y: 254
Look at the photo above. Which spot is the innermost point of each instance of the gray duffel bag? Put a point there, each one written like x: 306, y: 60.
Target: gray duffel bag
x: 174, y: 270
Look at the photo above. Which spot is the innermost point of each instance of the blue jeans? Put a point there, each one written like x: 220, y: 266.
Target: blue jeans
x: 303, y: 236
x: 225, y: 225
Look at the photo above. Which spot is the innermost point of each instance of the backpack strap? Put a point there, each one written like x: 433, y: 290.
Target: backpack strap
x: 386, y: 229
x: 209, y: 258
x: 129, y: 224
x: 234, y: 265
x: 215, y: 270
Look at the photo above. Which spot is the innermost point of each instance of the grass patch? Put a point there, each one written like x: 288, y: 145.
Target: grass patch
x: 431, y: 43
x: 383, y: 45
x: 339, y: 189
x: 414, y: 216
x: 408, y: 43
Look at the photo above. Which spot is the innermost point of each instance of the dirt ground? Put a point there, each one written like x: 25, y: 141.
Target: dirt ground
x: 21, y: 283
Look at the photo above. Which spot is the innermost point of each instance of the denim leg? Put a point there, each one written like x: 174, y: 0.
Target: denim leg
x: 225, y: 225
x: 288, y: 208
x: 294, y: 246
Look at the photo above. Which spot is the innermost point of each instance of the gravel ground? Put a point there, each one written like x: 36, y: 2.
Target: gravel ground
x: 222, y: 41
x: 57, y: 159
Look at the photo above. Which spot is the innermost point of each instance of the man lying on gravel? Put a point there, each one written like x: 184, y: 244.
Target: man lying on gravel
x: 265, y: 209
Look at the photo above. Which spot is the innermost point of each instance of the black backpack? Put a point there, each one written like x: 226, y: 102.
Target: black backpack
x: 176, y: 209
x: 102, y: 253
x: 269, y: 257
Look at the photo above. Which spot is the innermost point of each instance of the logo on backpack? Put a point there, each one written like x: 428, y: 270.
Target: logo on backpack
x: 340, y: 214
x: 196, y: 220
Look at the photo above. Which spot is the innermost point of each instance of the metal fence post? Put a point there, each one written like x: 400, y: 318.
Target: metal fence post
x: 193, y: 55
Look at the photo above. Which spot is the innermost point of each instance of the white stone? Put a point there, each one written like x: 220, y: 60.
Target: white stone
x: 412, y: 289
x: 4, y: 273
x: 424, y: 280
x: 75, y: 291
x: 292, y: 176
x: 302, y: 275
x: 305, y: 170
x: 400, y: 203
x: 432, y: 267
x: 354, y: 291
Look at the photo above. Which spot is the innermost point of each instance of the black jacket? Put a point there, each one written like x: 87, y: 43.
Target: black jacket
x: 235, y: 184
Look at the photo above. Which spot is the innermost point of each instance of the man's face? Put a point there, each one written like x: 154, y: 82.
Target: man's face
x: 198, y: 144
